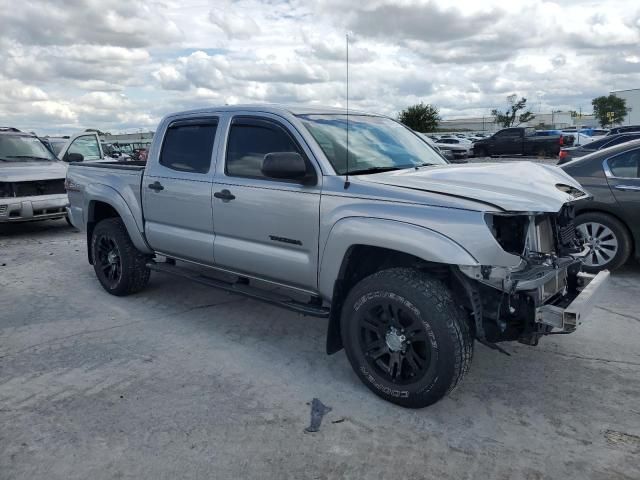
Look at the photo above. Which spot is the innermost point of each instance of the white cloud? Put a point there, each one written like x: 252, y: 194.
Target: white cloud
x: 117, y: 65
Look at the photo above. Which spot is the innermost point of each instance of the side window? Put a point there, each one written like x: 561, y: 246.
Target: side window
x: 87, y: 146
x: 626, y: 165
x: 249, y: 141
x: 188, y: 146
x: 622, y: 139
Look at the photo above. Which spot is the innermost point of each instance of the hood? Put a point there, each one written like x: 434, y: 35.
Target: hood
x: 513, y: 186
x: 27, y: 171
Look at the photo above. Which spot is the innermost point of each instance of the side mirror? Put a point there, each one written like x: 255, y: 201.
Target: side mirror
x: 285, y: 165
x: 73, y: 157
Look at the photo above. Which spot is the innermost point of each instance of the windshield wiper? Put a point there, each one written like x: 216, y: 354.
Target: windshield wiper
x: 378, y: 169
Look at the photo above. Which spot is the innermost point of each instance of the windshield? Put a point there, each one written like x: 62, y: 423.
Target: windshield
x: 19, y: 148
x: 57, y: 145
x: 375, y: 143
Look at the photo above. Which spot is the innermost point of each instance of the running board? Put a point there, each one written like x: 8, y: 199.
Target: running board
x: 243, y: 288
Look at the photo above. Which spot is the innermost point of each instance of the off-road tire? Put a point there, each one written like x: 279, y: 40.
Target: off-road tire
x: 134, y: 274
x: 621, y: 233
x: 444, y: 322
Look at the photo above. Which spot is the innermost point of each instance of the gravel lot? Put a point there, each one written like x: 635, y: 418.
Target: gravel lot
x: 183, y: 381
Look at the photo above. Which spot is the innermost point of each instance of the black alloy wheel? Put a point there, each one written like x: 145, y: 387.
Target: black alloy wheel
x: 395, y: 341
x: 109, y: 261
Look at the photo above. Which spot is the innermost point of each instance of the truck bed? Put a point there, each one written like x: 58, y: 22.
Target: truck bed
x: 117, y: 182
x: 136, y: 165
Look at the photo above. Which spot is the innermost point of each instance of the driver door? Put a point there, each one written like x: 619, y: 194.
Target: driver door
x: 265, y: 227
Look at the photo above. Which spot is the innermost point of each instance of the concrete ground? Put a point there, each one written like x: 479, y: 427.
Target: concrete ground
x: 184, y: 381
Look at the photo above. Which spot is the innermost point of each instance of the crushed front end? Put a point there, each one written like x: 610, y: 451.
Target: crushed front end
x: 545, y: 293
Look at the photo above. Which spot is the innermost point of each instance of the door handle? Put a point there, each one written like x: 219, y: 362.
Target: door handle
x: 157, y: 186
x: 627, y: 188
x: 225, y: 195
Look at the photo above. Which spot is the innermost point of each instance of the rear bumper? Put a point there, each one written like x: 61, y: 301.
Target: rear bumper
x: 568, y: 318
x: 40, y: 207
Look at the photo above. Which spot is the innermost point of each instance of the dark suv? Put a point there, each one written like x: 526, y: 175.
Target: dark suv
x: 625, y: 129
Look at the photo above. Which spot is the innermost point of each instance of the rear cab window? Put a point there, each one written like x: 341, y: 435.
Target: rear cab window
x: 188, y: 145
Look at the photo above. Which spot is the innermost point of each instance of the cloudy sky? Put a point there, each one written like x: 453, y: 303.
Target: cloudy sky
x: 120, y: 65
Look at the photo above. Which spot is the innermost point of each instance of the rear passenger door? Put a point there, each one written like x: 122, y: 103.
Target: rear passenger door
x: 176, y: 191
x: 265, y: 227
x: 623, y: 175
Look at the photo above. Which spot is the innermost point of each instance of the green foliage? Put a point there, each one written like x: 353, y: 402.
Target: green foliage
x: 609, y: 110
x: 421, y: 117
x: 508, y: 118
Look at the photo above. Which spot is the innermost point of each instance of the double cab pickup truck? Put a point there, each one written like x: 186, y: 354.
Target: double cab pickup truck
x: 409, y: 258
x: 518, y: 141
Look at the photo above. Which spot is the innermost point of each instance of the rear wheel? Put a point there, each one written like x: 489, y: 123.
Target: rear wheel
x: 405, y: 337
x: 608, y: 240
x: 119, y: 266
x: 541, y: 152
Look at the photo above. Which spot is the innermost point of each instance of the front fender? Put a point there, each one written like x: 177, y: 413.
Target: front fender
x: 421, y: 242
x: 109, y: 195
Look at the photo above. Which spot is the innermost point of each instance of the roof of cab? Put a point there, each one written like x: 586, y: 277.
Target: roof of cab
x: 275, y: 109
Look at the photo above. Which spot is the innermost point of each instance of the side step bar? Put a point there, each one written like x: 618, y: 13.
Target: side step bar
x: 242, y: 288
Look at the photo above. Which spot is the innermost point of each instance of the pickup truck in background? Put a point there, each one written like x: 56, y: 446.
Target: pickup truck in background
x: 518, y: 141
x: 410, y: 258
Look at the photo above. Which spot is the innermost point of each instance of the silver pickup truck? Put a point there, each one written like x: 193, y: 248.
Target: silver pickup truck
x: 356, y: 219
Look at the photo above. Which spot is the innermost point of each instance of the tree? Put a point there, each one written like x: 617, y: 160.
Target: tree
x: 507, y: 119
x: 609, y: 110
x: 420, y: 117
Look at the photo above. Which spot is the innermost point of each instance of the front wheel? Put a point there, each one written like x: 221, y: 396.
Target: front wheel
x: 405, y: 337
x: 120, y: 267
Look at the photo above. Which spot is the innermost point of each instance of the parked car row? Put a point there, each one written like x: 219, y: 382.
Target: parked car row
x: 569, y: 153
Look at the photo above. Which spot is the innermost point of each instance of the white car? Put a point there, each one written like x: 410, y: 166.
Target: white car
x: 582, y: 139
x: 461, y: 147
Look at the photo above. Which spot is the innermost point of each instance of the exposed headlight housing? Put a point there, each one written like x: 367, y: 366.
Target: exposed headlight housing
x: 510, y: 231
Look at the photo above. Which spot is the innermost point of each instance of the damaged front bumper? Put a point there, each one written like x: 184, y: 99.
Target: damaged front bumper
x: 526, y: 303
x: 567, y: 318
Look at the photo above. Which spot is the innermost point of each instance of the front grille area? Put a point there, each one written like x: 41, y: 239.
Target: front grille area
x: 3, y: 209
x: 39, y: 187
x: 567, y: 233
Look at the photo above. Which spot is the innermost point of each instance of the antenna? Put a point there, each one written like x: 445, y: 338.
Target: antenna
x: 346, y: 179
